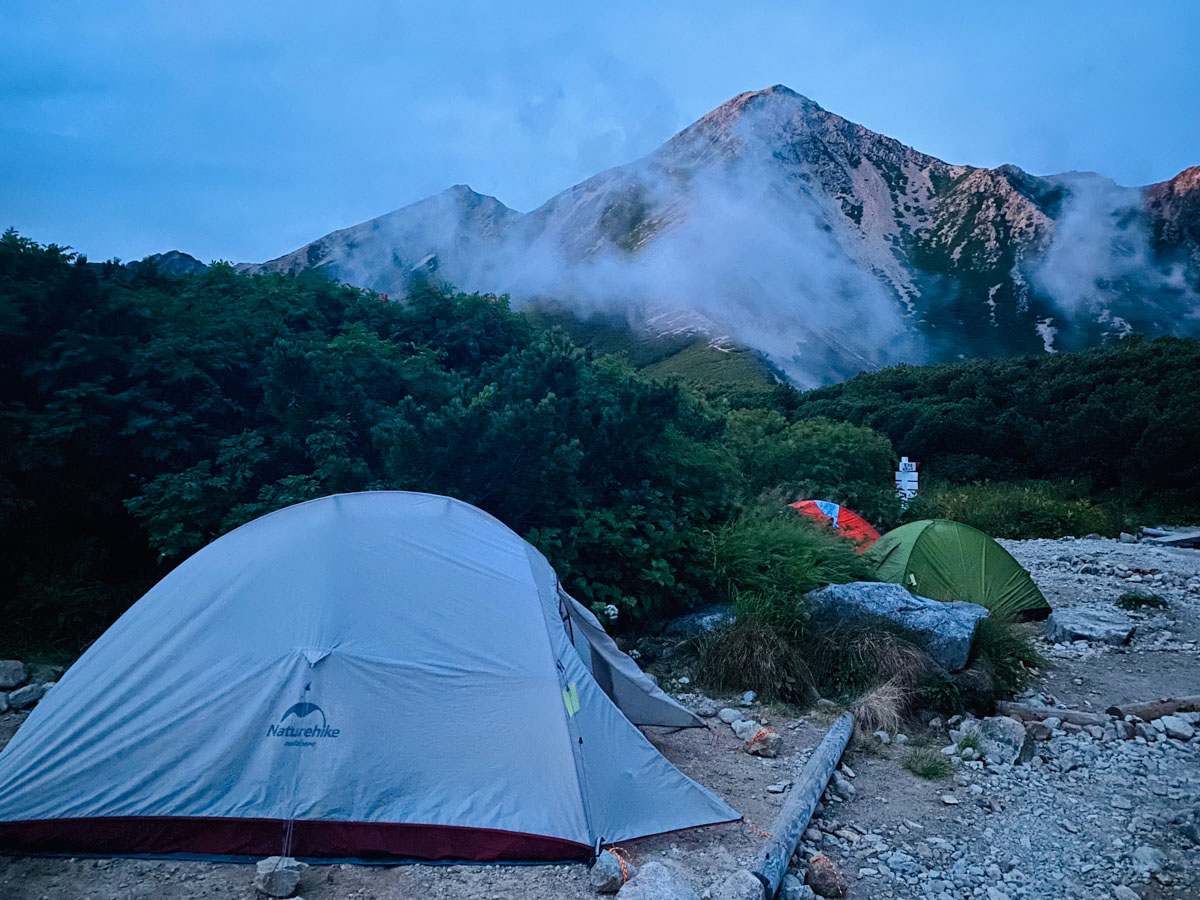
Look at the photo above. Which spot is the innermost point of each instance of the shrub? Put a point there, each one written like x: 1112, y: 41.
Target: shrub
x: 939, y: 693
x: 926, y: 762
x: 771, y: 557
x: 1133, y: 600
x: 1017, y: 510
x: 1004, y: 648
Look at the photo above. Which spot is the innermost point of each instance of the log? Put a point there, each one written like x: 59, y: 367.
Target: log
x: 1177, y: 539
x: 1156, y: 709
x: 789, y: 825
x: 1038, y: 713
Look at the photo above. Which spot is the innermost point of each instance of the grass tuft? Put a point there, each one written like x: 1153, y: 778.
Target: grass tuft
x: 1134, y: 600
x: 769, y: 560
x: 970, y: 741
x: 1006, y: 650
x: 926, y: 762
x: 849, y: 657
x: 752, y: 655
x: 881, y: 708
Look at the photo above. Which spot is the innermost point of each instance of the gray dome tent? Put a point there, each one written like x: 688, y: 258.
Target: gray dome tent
x: 376, y: 675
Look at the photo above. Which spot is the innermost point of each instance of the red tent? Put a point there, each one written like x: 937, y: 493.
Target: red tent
x: 847, y: 521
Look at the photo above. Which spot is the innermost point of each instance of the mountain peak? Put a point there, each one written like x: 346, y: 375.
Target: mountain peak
x: 777, y: 96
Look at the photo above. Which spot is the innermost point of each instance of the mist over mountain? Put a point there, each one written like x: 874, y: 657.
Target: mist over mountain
x: 830, y: 248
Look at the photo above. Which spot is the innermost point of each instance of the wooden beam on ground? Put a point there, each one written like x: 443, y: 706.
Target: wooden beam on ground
x: 1156, y: 709
x: 1038, y: 713
x: 1176, y: 539
x: 773, y: 859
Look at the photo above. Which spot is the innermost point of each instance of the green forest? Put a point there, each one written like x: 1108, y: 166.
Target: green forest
x: 143, y: 415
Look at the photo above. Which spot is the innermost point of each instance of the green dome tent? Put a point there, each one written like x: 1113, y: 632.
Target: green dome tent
x: 947, y: 560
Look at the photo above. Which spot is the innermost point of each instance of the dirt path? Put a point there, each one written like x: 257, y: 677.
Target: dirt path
x: 1066, y: 826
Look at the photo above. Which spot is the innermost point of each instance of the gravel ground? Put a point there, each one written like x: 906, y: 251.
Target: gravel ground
x: 1069, y: 825
x: 1072, y: 823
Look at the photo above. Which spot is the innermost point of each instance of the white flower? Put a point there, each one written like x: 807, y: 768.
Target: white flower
x: 611, y: 611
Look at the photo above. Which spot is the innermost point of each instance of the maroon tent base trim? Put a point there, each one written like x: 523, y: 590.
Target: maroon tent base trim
x: 266, y: 837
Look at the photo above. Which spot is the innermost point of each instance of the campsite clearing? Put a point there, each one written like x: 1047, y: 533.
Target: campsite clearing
x: 1098, y: 817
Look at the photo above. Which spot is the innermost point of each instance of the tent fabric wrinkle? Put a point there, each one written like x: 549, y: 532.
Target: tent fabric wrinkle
x: 375, y: 675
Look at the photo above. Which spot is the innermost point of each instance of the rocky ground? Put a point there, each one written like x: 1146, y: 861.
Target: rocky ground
x: 1090, y: 815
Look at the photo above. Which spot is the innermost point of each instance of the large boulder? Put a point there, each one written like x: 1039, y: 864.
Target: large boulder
x: 1097, y: 626
x: 659, y: 881
x: 12, y: 673
x: 947, y: 628
x: 710, y: 618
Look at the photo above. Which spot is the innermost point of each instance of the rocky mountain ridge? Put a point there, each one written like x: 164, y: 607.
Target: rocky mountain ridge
x: 829, y: 247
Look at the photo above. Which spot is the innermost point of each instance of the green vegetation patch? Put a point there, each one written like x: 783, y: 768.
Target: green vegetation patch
x: 928, y: 763
x: 1135, y: 600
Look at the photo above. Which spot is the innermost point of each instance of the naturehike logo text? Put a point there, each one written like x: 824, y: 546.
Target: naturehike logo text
x: 303, y: 736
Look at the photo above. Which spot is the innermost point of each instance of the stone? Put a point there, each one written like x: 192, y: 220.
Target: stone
x: 1178, y: 728
x: 825, y: 878
x: 1038, y: 731
x: 746, y: 728
x: 947, y: 628
x: 278, y: 876
x: 748, y: 698
x: 1127, y: 538
x: 883, y: 737
x: 900, y: 739
x: 1148, y: 860
x: 41, y: 674
x: 729, y: 716
x: 737, y: 885
x: 606, y: 876
x: 25, y: 697
x: 1121, y: 892
x: 1005, y: 741
x: 3, y: 702
x: 658, y: 881
x: 1096, y: 626
x: 706, y: 709
x: 12, y: 673
x: 792, y: 888
x: 950, y: 800
x: 767, y: 746
x: 778, y: 787
x: 710, y: 618
x: 841, y: 787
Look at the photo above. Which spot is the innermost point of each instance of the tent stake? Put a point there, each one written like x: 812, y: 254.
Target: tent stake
x: 772, y: 861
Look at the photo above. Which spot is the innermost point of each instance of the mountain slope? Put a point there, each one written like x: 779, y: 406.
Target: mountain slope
x: 826, y: 246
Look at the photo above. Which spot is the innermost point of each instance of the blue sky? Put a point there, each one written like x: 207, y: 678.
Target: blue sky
x: 243, y: 130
